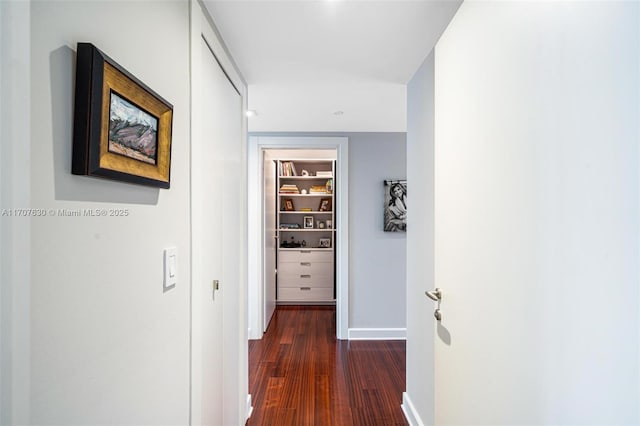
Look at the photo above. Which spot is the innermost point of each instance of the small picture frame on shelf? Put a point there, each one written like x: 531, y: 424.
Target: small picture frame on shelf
x: 325, y: 243
x: 325, y: 205
x: 287, y: 205
x: 308, y: 222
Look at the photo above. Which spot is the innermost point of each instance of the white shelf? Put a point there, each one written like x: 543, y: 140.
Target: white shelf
x: 306, y: 230
x: 304, y: 195
x: 305, y: 248
x: 306, y: 177
x: 298, y: 212
x: 318, y: 261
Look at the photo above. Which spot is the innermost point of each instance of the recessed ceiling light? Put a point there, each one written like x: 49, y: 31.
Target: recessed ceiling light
x: 338, y: 112
x: 251, y: 113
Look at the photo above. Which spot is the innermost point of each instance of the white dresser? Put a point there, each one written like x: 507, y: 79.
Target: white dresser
x: 305, y: 275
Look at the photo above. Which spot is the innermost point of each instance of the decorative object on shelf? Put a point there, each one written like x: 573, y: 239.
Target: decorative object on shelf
x: 395, y: 205
x: 289, y: 226
x: 287, y: 205
x: 290, y: 244
x: 303, y: 192
x: 328, y: 173
x: 321, y: 224
x: 325, y: 205
x: 122, y: 128
x: 325, y: 242
x: 329, y: 186
x: 305, y: 173
x: 308, y: 222
x: 329, y: 223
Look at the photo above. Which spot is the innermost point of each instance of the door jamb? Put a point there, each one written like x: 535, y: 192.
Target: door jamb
x: 256, y: 246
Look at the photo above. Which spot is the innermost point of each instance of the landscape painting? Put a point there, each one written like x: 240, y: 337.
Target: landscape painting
x: 132, y: 131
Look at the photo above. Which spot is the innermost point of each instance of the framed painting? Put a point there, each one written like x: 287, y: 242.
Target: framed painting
x: 122, y: 128
x: 395, y: 205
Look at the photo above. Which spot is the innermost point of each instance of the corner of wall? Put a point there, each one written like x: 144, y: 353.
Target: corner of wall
x: 409, y: 411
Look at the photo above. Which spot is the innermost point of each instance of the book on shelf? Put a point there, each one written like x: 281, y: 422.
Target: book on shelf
x: 287, y: 168
x: 289, y: 189
x: 318, y: 189
x: 324, y: 173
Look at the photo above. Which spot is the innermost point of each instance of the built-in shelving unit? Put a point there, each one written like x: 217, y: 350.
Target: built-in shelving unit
x: 305, y: 230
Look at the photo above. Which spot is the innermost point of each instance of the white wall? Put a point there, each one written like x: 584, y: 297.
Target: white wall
x: 418, y: 398
x: 541, y: 101
x: 15, y: 182
x: 108, y: 345
x: 377, y: 259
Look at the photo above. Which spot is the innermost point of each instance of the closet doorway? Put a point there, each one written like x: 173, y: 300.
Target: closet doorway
x: 266, y: 157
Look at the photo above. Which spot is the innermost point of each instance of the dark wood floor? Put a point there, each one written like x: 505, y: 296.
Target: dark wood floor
x: 299, y: 374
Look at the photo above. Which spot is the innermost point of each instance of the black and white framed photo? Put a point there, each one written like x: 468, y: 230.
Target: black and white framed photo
x: 308, y: 222
x: 325, y: 242
x: 395, y: 205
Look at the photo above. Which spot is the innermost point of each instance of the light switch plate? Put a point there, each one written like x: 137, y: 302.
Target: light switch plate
x: 170, y: 268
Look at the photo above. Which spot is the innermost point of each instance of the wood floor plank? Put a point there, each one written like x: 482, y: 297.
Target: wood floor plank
x: 300, y: 375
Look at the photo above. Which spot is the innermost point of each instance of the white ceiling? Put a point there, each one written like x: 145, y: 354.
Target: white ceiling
x: 305, y: 59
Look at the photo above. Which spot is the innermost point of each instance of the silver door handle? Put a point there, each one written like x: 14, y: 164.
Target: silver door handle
x: 435, y: 295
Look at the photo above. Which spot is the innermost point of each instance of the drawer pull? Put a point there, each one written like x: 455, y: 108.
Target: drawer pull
x: 305, y: 263
x: 305, y: 276
x: 305, y: 251
x: 305, y: 288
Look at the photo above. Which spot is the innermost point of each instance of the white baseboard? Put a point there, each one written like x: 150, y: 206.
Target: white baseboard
x: 377, y: 334
x: 410, y: 412
x: 257, y: 335
x: 249, y: 408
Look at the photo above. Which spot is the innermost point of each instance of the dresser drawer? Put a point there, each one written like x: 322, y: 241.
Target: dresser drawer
x: 302, y: 268
x: 305, y: 256
x: 305, y: 280
x: 302, y: 293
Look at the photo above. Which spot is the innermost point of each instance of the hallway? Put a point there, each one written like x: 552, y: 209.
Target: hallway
x: 299, y: 374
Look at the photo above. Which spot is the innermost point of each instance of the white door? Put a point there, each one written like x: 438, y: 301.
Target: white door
x: 269, y: 173
x: 536, y: 215
x: 217, y: 176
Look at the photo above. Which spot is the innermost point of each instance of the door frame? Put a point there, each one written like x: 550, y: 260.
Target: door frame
x: 257, y: 145
x: 15, y: 232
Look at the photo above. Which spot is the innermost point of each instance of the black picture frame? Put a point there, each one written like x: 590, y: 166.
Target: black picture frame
x: 108, y: 145
x: 287, y: 205
x: 325, y: 205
